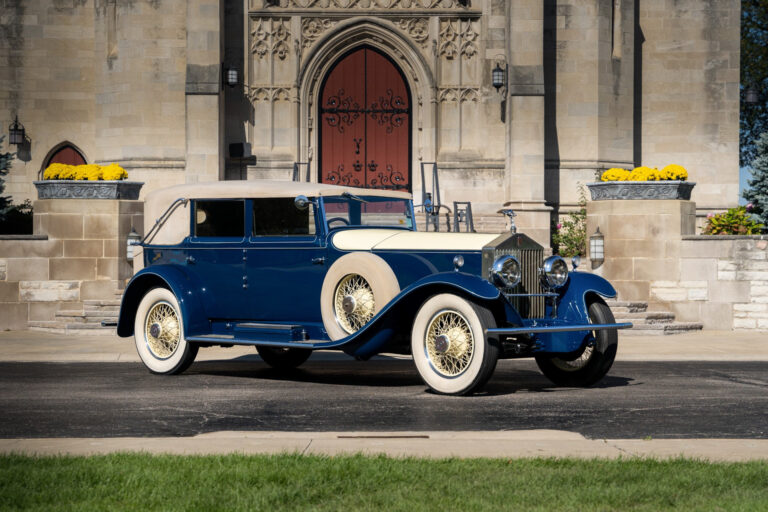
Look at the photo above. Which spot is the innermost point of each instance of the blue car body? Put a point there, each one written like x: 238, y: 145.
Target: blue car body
x: 266, y: 290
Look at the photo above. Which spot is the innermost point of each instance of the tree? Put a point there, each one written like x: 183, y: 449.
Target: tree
x: 5, y: 165
x: 757, y: 193
x: 754, y: 73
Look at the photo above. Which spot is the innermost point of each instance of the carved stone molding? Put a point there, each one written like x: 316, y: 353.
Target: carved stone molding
x: 313, y: 28
x: 458, y: 94
x: 416, y: 28
x: 270, y: 94
x: 270, y: 36
x: 458, y: 37
x: 370, y: 4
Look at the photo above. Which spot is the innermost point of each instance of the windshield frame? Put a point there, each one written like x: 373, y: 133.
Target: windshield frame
x: 368, y: 200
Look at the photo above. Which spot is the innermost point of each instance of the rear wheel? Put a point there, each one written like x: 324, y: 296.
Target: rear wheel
x: 450, y: 347
x: 283, y: 358
x: 159, y: 334
x: 589, y: 365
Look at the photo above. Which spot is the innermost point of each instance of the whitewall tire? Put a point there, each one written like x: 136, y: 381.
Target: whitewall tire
x: 449, y: 346
x: 159, y: 333
x: 355, y: 288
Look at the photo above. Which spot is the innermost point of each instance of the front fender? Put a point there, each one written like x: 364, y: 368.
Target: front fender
x: 396, y: 318
x: 186, y: 289
x: 574, y: 297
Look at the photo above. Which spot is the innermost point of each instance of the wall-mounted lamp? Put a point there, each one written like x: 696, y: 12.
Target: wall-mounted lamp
x: 597, y: 248
x: 751, y: 95
x: 16, y: 134
x: 230, y: 78
x: 499, y: 76
x: 133, y: 240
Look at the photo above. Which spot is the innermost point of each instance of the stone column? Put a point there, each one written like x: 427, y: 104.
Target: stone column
x: 204, y: 158
x: 524, y: 182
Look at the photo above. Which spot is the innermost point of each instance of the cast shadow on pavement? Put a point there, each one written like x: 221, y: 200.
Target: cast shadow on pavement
x: 509, y: 377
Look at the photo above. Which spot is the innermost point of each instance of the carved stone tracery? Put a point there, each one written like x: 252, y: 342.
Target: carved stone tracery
x: 313, y: 28
x: 269, y: 93
x: 370, y: 4
x: 416, y: 28
x: 458, y: 94
x: 270, y: 36
x: 457, y: 38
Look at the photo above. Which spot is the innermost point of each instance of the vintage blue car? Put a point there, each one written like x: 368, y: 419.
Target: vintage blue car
x: 296, y: 267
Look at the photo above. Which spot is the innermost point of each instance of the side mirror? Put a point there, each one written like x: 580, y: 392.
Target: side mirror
x: 301, y: 202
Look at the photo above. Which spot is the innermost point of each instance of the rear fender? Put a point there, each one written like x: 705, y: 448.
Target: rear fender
x: 187, y: 291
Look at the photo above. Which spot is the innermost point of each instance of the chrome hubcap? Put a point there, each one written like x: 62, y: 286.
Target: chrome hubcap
x: 353, y: 303
x: 449, y: 342
x: 162, y: 330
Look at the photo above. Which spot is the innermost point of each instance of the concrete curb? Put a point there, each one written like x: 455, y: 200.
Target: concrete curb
x: 511, y: 444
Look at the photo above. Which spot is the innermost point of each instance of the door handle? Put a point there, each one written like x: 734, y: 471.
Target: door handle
x: 190, y: 260
x: 318, y: 261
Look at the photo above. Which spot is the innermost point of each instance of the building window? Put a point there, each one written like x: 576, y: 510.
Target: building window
x: 280, y: 217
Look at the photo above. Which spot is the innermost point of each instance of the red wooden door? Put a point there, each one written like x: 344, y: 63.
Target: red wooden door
x: 365, y: 123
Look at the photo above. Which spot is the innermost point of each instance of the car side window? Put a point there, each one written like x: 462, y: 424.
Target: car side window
x: 221, y: 219
x: 278, y: 216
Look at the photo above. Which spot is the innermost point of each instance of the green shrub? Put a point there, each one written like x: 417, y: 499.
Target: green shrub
x: 735, y: 221
x: 570, y: 234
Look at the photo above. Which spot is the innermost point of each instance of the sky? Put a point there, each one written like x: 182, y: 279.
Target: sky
x: 744, y: 176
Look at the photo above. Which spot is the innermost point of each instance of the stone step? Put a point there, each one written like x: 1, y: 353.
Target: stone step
x: 59, y: 327
x: 102, y: 303
x: 664, y: 329
x: 101, y: 309
x: 627, y: 307
x: 648, y: 317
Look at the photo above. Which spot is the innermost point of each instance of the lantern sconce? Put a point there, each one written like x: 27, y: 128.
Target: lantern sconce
x: 751, y: 95
x: 597, y: 248
x: 230, y: 78
x: 134, y: 239
x: 499, y: 76
x: 16, y: 133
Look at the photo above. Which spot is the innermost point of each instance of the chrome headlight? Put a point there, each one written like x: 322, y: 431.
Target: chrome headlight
x: 554, y: 273
x: 506, y: 271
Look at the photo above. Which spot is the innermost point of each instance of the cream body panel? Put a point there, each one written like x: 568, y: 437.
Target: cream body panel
x: 393, y: 240
x: 361, y: 239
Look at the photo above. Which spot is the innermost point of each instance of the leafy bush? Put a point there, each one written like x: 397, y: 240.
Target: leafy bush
x: 570, y: 235
x: 735, y: 221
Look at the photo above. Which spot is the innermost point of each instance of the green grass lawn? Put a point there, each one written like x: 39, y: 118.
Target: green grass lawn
x: 291, y: 482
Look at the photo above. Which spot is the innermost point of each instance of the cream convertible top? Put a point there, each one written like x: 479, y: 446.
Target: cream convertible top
x: 176, y: 227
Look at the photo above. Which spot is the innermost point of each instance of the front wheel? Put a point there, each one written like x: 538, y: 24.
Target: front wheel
x: 283, y: 358
x: 590, y: 364
x: 159, y: 334
x: 449, y: 344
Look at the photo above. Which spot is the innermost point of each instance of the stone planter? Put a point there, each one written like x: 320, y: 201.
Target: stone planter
x: 79, y: 189
x: 606, y: 190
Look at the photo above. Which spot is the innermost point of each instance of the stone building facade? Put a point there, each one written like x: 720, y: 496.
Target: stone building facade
x: 591, y: 84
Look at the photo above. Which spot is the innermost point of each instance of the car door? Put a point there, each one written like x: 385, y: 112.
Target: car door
x: 285, y: 262
x: 215, y: 256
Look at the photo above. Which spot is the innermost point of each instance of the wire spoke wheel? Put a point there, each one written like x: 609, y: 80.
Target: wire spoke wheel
x: 450, y: 344
x: 353, y: 303
x: 161, y: 330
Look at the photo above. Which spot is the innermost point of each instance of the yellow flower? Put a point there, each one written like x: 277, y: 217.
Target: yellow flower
x: 90, y: 172
x: 67, y: 172
x: 675, y: 172
x: 53, y: 171
x: 615, y: 174
x: 113, y: 172
x: 644, y: 173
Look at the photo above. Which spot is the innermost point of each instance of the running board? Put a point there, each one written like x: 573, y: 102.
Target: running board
x: 231, y: 340
x: 556, y: 328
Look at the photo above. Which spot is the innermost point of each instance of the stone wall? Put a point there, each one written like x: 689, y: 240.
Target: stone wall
x: 76, y: 254
x: 722, y: 282
x: 642, y: 241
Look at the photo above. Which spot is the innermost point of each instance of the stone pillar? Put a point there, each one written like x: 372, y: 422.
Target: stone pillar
x: 78, y: 253
x: 642, y: 241
x: 524, y: 184
x: 204, y: 159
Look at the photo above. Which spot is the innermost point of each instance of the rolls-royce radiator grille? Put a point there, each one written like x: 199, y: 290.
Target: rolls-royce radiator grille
x: 530, y: 255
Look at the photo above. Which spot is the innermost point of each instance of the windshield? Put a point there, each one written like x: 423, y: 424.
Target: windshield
x: 368, y: 211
